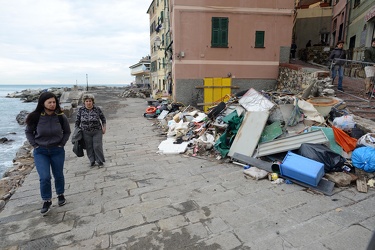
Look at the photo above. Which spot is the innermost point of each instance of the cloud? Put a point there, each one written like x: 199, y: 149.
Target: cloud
x: 60, y: 41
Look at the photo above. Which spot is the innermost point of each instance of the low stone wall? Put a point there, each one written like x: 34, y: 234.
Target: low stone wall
x: 295, y: 78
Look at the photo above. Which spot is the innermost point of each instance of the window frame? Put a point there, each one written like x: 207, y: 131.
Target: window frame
x: 219, y: 32
x: 260, y: 36
x: 356, y: 3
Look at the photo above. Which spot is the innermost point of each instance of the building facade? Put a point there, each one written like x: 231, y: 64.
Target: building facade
x: 313, y: 22
x: 238, y: 42
x: 141, y: 71
x: 361, y: 26
x: 160, y: 48
x: 339, y: 21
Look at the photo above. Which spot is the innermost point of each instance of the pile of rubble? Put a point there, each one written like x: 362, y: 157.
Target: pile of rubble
x: 135, y: 93
x: 305, y: 141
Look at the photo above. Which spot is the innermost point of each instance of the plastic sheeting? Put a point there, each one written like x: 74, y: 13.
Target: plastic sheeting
x: 364, y: 158
x: 332, y: 161
x: 344, y: 140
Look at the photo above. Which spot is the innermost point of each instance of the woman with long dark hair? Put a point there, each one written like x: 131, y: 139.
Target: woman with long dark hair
x: 48, y: 131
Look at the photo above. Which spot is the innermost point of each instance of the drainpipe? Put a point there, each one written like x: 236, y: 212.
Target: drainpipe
x: 347, y: 16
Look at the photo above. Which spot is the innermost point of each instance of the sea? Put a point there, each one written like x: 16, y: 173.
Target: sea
x: 9, y: 127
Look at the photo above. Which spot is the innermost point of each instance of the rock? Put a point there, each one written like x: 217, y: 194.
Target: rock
x: 341, y: 179
x: 3, y: 140
x: 21, y: 117
x: 2, y: 204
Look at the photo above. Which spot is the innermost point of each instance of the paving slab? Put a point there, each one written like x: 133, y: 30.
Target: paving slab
x: 141, y: 199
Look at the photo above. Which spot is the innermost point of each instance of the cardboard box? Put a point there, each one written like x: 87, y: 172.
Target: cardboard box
x: 302, y: 169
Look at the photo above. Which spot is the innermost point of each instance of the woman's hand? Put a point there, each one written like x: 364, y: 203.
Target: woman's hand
x: 103, y: 130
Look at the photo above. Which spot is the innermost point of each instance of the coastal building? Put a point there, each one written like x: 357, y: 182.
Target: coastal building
x: 160, y: 48
x: 220, y: 46
x: 141, y: 71
x: 361, y: 26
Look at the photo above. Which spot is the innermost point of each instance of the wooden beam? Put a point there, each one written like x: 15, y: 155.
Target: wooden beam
x: 213, y: 87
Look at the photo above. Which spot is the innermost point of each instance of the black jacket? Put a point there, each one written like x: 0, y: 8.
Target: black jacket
x: 338, y: 54
x: 78, y: 142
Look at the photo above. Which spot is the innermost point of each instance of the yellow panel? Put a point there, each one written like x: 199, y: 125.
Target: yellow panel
x: 220, y: 93
x: 217, y: 91
x: 226, y: 91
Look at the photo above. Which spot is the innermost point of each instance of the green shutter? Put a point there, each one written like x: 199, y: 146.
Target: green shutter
x: 259, y: 39
x: 219, y: 37
x: 224, y: 32
x: 215, y: 32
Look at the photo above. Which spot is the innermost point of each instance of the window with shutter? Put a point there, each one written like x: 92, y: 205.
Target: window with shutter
x: 259, y: 39
x: 219, y: 36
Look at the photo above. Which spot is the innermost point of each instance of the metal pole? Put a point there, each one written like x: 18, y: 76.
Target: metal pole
x: 87, y: 81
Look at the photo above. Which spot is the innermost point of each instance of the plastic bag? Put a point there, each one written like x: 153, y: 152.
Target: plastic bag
x: 332, y: 161
x: 256, y: 173
x: 345, y: 122
x: 367, y: 140
x: 344, y: 140
x: 364, y: 158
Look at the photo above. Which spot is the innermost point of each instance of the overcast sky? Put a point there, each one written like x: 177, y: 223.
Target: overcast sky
x: 60, y: 41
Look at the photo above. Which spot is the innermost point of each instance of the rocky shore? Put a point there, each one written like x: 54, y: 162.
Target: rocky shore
x: 23, y: 163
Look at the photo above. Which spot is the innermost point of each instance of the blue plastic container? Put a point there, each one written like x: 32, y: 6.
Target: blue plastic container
x: 302, y: 169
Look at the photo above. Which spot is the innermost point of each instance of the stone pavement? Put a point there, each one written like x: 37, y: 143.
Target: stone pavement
x: 143, y: 200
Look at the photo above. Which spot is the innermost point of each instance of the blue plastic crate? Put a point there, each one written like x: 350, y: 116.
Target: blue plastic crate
x: 302, y: 169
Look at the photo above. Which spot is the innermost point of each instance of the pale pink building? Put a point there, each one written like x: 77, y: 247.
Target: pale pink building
x: 339, y: 20
x: 236, y: 42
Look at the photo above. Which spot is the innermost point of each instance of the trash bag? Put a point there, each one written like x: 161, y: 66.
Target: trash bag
x: 356, y: 133
x: 364, y: 158
x: 345, y: 122
x: 332, y: 161
x: 216, y: 110
x: 344, y: 140
x: 367, y: 140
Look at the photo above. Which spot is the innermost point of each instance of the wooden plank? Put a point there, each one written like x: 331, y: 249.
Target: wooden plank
x: 324, y: 186
x: 361, y: 181
x: 361, y: 185
x: 211, y: 87
x: 207, y: 104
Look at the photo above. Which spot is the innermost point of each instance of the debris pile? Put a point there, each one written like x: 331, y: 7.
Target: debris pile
x: 310, y: 142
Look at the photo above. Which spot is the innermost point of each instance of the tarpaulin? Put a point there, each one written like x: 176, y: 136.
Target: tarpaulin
x: 344, y: 140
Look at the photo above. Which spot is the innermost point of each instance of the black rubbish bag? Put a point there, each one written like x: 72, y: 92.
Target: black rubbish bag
x: 332, y: 161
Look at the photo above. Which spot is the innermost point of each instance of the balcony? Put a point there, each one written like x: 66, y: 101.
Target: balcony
x: 142, y: 69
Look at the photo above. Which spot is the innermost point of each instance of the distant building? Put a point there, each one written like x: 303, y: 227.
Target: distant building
x: 141, y: 71
x: 160, y: 48
x: 360, y: 26
x: 339, y: 19
x: 312, y: 22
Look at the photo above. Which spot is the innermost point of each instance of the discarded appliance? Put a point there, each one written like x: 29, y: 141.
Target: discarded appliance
x: 302, y: 169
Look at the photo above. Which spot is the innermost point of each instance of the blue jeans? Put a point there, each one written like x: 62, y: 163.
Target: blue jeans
x: 47, y: 159
x: 340, y: 70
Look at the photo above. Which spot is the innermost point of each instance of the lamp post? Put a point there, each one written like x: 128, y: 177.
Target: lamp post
x: 87, y: 82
